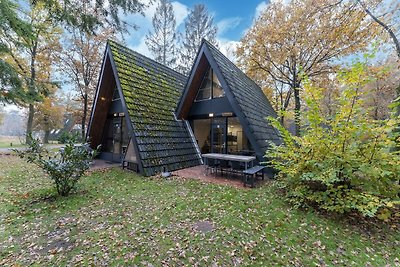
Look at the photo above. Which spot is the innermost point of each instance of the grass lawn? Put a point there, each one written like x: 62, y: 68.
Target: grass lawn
x: 6, y: 141
x: 119, y: 218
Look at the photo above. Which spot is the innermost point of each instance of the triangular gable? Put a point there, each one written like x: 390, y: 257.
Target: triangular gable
x: 150, y: 95
x: 246, y: 98
x: 108, y: 88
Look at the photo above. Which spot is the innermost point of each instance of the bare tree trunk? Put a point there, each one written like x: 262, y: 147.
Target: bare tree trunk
x: 46, y: 129
x: 297, y: 104
x: 46, y: 136
x: 32, y: 90
x: 297, y: 107
x: 85, y: 110
x: 29, y: 125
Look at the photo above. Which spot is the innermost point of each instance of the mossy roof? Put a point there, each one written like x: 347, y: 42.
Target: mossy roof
x: 151, y: 92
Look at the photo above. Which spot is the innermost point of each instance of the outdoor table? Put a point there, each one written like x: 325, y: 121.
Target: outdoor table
x: 230, y: 157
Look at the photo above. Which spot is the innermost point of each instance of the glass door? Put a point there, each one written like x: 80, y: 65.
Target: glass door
x: 117, y: 139
x: 218, y: 129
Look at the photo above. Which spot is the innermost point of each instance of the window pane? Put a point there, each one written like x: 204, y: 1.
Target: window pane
x: 202, y: 132
x: 237, y: 140
x: 205, y: 87
x: 116, y: 95
x: 217, y: 88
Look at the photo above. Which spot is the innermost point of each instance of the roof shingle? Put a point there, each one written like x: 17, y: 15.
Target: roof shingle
x: 151, y: 92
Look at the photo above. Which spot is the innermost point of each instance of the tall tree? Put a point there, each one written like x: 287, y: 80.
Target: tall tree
x: 198, y: 25
x: 81, y: 61
x: 12, y: 27
x: 393, y: 15
x: 162, y: 42
x: 302, y: 38
x: 34, y: 57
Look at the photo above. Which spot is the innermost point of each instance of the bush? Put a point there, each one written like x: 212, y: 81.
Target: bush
x: 65, y: 168
x: 66, y: 137
x: 344, y: 163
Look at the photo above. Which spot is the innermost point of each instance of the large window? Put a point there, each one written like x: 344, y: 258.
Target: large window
x: 221, y: 135
x: 210, y: 87
x: 237, y: 141
x: 202, y: 132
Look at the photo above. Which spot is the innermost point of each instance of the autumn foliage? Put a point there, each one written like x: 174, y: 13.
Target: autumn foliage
x: 344, y: 163
x: 301, y: 38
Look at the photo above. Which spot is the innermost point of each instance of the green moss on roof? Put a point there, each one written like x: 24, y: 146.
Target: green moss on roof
x: 151, y: 92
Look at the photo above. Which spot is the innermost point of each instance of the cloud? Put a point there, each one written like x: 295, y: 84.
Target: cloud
x: 228, y: 48
x: 181, y: 11
x: 260, y: 8
x: 228, y: 24
x: 142, y: 48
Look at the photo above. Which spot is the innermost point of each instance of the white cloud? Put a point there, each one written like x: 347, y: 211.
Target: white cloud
x: 181, y: 11
x: 228, y: 48
x: 260, y: 8
x: 227, y: 24
x: 141, y: 48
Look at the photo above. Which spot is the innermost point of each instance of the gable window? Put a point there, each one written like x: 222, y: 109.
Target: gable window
x: 210, y: 87
x: 116, y: 95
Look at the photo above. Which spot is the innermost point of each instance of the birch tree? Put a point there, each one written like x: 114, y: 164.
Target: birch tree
x: 162, y: 41
x: 198, y: 25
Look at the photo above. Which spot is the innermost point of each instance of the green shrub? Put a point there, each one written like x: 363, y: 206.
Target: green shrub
x: 65, y: 167
x: 341, y: 164
x: 66, y: 137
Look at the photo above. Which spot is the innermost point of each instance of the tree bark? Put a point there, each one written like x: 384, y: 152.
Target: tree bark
x: 297, y: 103
x: 297, y: 107
x: 46, y: 136
x: 29, y: 125
x: 46, y: 130
x: 32, y: 91
x: 85, y: 110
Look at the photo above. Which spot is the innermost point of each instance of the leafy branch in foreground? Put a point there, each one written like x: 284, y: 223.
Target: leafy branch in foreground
x: 65, y: 167
x: 341, y: 164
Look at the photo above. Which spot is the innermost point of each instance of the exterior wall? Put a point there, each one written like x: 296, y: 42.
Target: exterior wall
x: 217, y: 106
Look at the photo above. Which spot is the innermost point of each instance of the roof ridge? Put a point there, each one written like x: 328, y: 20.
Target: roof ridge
x: 145, y: 57
x: 226, y: 58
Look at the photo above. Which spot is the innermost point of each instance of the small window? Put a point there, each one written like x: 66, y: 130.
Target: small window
x: 205, y: 88
x: 210, y: 87
x: 217, y: 88
x: 116, y: 95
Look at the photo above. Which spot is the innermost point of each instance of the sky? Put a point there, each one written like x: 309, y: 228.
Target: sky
x: 233, y: 19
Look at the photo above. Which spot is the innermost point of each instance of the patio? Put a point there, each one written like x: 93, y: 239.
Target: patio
x: 199, y: 173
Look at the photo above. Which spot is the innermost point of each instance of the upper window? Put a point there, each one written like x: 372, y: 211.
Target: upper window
x: 210, y: 87
x: 116, y: 95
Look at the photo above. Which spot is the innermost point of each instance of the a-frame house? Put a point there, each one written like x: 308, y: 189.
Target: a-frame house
x: 225, y: 108
x: 158, y: 120
x: 133, y: 114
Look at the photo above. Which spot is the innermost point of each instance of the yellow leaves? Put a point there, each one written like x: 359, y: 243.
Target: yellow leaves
x: 301, y: 36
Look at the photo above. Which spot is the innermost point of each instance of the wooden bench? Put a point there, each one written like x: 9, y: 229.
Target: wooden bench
x: 250, y: 174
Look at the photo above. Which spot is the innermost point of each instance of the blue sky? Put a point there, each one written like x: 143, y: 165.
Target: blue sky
x: 232, y: 18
